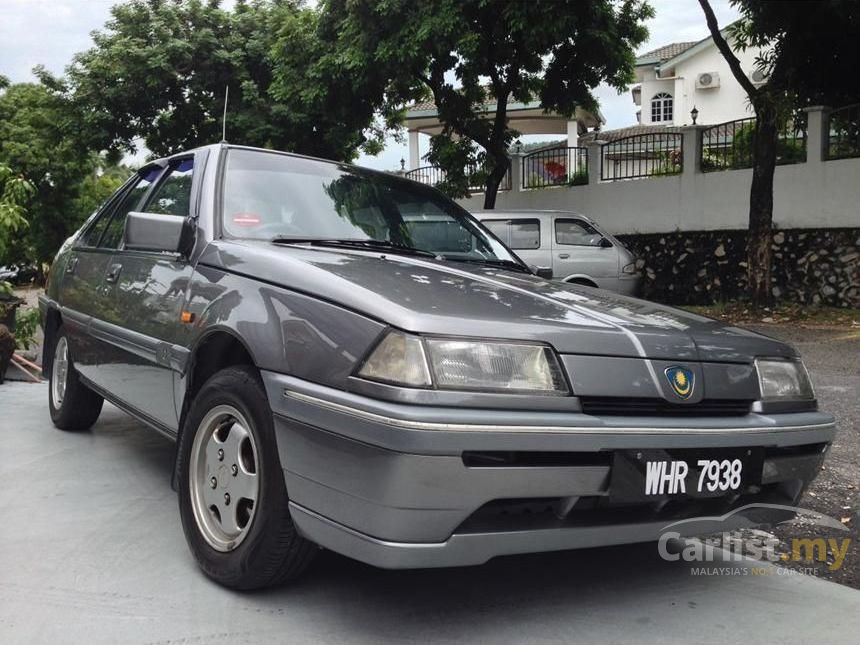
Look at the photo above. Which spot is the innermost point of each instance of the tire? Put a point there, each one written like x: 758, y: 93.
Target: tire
x: 74, y: 407
x: 228, y: 455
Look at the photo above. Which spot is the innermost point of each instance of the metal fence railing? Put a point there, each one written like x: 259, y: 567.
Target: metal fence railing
x: 433, y: 176
x: 729, y: 145
x: 843, y: 132
x: 555, y: 167
x: 642, y: 155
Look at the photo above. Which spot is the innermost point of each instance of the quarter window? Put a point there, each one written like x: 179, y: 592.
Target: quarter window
x: 661, y: 107
x: 576, y: 232
x: 519, y: 234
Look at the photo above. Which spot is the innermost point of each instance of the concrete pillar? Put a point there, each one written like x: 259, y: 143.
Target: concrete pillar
x: 594, y: 153
x: 414, y: 156
x: 516, y: 172
x: 817, y: 124
x: 572, y: 134
x: 692, y: 149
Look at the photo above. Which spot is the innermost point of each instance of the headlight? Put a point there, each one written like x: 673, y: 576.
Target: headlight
x: 629, y: 269
x: 493, y: 366
x: 398, y: 359
x: 781, y: 380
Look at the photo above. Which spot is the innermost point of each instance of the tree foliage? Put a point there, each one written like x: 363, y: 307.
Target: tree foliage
x: 475, y: 55
x: 160, y: 68
x: 801, y: 70
x: 39, y: 138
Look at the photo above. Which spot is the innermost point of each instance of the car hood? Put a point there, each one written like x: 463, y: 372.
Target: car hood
x: 454, y: 298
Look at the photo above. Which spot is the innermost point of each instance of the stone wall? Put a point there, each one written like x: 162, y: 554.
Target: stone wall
x: 811, y: 266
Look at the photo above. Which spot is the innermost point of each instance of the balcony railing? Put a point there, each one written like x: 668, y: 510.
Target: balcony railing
x: 642, y: 155
x: 555, y: 167
x: 729, y: 145
x: 843, y: 132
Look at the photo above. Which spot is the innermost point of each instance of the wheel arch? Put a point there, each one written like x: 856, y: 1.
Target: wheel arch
x: 581, y: 278
x: 215, y: 350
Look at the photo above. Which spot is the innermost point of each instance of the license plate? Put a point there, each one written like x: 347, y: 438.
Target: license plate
x: 642, y: 475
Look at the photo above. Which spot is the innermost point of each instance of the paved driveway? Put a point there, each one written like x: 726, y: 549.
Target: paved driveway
x: 93, y: 552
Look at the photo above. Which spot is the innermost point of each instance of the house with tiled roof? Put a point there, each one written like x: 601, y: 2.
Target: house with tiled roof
x: 675, y: 78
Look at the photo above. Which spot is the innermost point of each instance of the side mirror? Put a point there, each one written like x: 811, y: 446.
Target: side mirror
x: 157, y: 232
x: 541, y: 272
x: 604, y: 243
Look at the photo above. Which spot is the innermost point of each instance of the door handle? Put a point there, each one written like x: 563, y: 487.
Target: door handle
x: 72, y: 264
x: 564, y: 256
x: 113, y: 273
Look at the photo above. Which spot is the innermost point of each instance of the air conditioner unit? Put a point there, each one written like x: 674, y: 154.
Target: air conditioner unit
x: 707, y: 81
x: 758, y: 77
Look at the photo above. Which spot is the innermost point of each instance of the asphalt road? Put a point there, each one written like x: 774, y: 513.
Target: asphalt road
x: 93, y: 551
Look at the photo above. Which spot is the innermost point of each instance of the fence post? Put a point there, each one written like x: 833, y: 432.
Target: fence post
x: 817, y: 135
x: 692, y: 149
x: 516, y: 172
x: 594, y: 152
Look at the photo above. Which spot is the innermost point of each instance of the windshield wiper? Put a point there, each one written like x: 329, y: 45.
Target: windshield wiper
x: 494, y: 262
x: 370, y: 245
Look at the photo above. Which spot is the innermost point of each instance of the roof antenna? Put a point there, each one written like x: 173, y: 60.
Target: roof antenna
x: 224, y: 118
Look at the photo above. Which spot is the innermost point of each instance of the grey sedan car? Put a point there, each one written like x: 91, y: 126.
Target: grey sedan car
x: 349, y: 360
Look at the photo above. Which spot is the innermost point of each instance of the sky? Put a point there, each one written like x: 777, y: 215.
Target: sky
x: 50, y: 32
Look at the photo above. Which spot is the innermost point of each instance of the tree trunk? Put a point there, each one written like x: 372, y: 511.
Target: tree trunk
x: 494, y: 180
x: 759, y: 253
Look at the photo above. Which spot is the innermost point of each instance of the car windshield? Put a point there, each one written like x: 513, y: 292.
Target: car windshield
x: 271, y: 196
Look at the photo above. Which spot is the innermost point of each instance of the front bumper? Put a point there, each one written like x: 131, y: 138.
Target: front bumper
x: 393, y: 484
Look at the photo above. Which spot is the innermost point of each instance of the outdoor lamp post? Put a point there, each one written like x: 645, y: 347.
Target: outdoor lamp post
x: 694, y: 113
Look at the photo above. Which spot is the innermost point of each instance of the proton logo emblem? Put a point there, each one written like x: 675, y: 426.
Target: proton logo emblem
x: 681, y: 379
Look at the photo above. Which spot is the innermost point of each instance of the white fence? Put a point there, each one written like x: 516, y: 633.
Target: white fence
x: 820, y: 193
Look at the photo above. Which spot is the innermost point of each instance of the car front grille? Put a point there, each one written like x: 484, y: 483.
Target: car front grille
x: 608, y: 405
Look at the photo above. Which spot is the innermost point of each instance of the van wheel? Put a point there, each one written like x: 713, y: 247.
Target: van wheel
x: 232, y: 497
x: 72, y: 404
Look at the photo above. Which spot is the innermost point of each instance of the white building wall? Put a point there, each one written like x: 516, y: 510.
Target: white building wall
x: 806, y: 195
x: 724, y: 103
x: 727, y: 102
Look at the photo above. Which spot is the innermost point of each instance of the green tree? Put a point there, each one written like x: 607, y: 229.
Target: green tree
x: 15, y: 193
x: 159, y: 70
x: 809, y: 55
x: 39, y: 139
x: 468, y: 55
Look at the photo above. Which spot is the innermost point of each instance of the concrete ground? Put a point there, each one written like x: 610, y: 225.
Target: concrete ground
x: 93, y: 551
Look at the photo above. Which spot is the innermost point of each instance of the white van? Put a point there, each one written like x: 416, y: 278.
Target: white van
x: 573, y: 245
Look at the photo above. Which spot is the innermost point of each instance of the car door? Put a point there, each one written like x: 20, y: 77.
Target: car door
x: 80, y: 292
x: 146, y: 293
x: 579, y: 249
x: 522, y: 235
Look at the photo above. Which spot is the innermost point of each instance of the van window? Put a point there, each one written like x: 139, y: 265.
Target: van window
x: 521, y: 234
x: 576, y: 232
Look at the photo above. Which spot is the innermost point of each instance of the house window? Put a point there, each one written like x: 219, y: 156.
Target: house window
x: 661, y: 107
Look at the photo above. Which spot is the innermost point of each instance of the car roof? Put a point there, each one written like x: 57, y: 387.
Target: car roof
x: 163, y: 161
